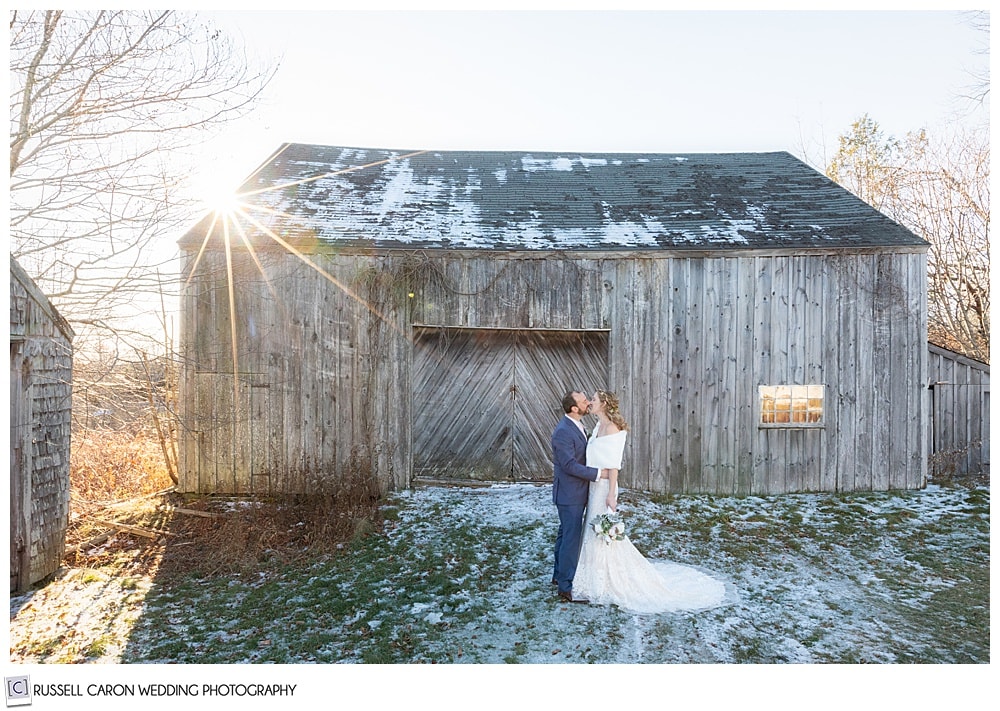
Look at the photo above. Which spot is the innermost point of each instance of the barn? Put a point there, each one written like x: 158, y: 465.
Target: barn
x: 41, y: 367
x: 959, y: 414
x: 417, y: 315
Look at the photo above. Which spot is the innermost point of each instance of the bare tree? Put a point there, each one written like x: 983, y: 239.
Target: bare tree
x: 105, y: 106
x: 107, y: 110
x: 939, y: 189
x: 944, y: 196
x: 979, y: 90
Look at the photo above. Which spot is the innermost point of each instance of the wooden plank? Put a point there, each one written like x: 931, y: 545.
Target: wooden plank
x: 747, y: 375
x: 192, y: 512
x: 900, y: 374
x: 830, y: 304
x: 764, y: 295
x: 344, y: 392
x: 710, y: 352
x: 797, y: 468
x: 186, y: 439
x: 975, y: 397
x: 91, y: 542
x: 774, y: 360
x: 319, y: 434
x: 681, y: 328
x: 309, y: 472
x: 474, y: 483
x: 864, y: 364
x: 724, y: 404
x: 882, y: 366
x: 911, y: 340
x: 626, y: 288
x: 843, y: 384
x: 985, y: 427
x: 812, y: 286
x: 246, y: 277
x: 695, y: 379
x: 918, y: 295
x: 642, y: 386
x: 225, y: 434
x: 126, y: 503
x: 299, y: 285
x: 656, y: 427
x: 204, y: 431
x: 128, y: 528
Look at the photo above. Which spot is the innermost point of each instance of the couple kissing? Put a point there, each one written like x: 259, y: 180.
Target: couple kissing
x: 591, y: 566
x: 578, y: 463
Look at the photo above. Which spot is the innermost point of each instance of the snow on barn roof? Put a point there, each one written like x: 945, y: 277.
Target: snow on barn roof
x: 543, y: 201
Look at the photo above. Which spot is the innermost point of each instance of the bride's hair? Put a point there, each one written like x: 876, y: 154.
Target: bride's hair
x: 609, y: 401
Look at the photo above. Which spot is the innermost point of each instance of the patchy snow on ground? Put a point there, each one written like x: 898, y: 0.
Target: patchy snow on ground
x: 820, y: 600
x: 462, y: 575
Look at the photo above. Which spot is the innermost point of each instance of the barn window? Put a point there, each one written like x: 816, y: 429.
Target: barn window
x: 791, y: 405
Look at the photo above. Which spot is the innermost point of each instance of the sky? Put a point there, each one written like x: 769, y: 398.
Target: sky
x: 589, y: 81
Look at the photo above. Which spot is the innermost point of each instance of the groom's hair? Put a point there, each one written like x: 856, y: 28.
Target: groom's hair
x: 569, y: 402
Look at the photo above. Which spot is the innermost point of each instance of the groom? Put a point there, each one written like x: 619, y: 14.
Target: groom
x: 570, y: 486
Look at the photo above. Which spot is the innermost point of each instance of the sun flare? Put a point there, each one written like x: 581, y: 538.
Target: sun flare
x: 222, y: 202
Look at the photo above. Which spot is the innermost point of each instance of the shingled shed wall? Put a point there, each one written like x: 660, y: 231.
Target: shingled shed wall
x: 419, y: 315
x: 41, y: 366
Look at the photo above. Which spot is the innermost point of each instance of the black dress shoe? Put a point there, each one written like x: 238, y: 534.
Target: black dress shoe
x: 568, y: 597
x: 554, y: 581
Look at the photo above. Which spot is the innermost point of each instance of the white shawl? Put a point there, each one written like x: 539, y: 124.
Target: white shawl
x: 606, y: 452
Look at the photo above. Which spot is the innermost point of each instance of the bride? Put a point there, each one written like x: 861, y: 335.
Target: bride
x: 615, y: 572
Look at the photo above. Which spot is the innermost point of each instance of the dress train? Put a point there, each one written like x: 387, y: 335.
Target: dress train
x: 617, y: 573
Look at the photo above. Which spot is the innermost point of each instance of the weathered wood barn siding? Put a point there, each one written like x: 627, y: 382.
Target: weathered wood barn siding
x: 41, y: 364
x: 403, y: 359
x: 960, y: 414
x: 319, y: 377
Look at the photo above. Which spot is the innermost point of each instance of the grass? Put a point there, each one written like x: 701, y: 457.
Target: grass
x: 457, y: 576
x: 821, y: 578
x: 113, y: 465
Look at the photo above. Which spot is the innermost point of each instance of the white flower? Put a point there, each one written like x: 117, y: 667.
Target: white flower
x: 609, y: 527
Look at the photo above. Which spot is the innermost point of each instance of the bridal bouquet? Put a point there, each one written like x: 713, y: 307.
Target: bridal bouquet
x: 609, y: 527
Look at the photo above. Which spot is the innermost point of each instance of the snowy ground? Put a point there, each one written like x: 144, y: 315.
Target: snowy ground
x: 462, y: 576
x: 824, y: 595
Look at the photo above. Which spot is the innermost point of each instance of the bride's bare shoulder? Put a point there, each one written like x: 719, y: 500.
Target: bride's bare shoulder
x: 610, y: 429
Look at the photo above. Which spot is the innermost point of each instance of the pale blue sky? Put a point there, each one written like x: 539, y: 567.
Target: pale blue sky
x: 676, y: 81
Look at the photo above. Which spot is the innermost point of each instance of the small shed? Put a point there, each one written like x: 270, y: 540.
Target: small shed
x: 960, y: 414
x: 41, y: 368
x: 419, y: 314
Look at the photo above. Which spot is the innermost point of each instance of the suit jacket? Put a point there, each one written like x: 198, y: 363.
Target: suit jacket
x: 570, y: 476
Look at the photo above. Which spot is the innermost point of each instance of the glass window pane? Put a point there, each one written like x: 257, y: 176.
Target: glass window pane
x: 791, y: 404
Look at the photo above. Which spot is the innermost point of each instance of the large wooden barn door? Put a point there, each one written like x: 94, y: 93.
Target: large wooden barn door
x: 462, y: 404
x: 546, y: 364
x: 485, y: 401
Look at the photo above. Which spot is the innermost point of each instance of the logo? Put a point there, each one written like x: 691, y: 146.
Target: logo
x: 18, y: 691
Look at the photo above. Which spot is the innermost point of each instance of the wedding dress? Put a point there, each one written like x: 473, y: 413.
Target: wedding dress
x: 616, y: 573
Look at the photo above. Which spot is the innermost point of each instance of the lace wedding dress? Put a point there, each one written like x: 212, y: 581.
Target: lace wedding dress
x: 616, y: 573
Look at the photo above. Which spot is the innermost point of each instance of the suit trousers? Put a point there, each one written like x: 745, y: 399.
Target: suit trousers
x: 567, y: 549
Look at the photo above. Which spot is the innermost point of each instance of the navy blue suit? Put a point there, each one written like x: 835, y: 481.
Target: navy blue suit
x: 570, y: 487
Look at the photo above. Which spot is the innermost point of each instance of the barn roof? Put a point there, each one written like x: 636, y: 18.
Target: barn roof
x: 556, y: 201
